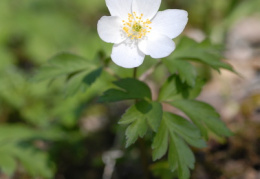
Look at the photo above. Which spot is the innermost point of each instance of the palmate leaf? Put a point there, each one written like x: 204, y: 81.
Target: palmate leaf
x: 203, y: 115
x: 81, y: 81
x: 186, y: 71
x: 128, y: 88
x: 180, y: 156
x: 63, y: 64
x: 172, y: 132
x: 139, y: 117
x: 203, y: 52
x: 174, y: 89
x: 78, y: 72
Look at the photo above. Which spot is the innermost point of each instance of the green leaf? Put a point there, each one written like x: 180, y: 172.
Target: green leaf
x: 7, y: 163
x: 81, y: 81
x: 160, y: 142
x: 203, y: 115
x: 154, y: 115
x: 174, y: 89
x: 91, y: 77
x: 79, y: 72
x: 137, y: 129
x: 188, y: 131
x: 186, y: 71
x: 63, y: 64
x: 180, y: 155
x: 242, y: 9
x: 75, y: 84
x: 195, y: 91
x: 21, y: 147
x: 174, y: 129
x: 128, y: 88
x: 203, y: 52
x: 162, y: 171
x: 14, y: 132
x: 139, y: 117
x: 38, y: 165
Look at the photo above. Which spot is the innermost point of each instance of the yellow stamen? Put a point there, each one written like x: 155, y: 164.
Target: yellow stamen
x: 135, y: 27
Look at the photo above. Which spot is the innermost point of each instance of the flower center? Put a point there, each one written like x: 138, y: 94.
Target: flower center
x: 135, y: 27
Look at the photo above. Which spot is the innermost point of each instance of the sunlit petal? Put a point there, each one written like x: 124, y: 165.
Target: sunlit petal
x: 170, y: 22
x: 119, y: 8
x: 157, y: 46
x: 110, y: 29
x: 127, y: 55
x: 146, y: 7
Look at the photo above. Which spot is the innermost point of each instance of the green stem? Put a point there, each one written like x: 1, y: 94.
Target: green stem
x: 142, y: 147
x: 144, y: 157
x: 112, y: 73
x: 150, y: 71
x: 135, y: 73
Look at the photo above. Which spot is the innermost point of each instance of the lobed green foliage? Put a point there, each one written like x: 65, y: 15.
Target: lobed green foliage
x: 172, y: 132
x: 38, y: 120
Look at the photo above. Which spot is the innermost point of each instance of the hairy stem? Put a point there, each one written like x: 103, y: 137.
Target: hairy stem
x: 111, y: 72
x: 135, y: 73
x: 142, y: 148
x: 150, y: 71
x: 144, y: 157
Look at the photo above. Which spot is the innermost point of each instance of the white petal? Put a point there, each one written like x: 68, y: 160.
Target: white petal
x: 110, y: 29
x: 146, y: 7
x: 170, y: 22
x: 119, y: 8
x: 127, y: 55
x: 157, y: 46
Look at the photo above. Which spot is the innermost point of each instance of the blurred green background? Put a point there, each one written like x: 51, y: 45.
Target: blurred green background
x: 44, y: 135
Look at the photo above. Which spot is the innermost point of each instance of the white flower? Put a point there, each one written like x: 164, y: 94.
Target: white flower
x: 137, y: 29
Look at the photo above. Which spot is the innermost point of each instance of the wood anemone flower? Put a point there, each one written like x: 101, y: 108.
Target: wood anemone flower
x: 137, y: 28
